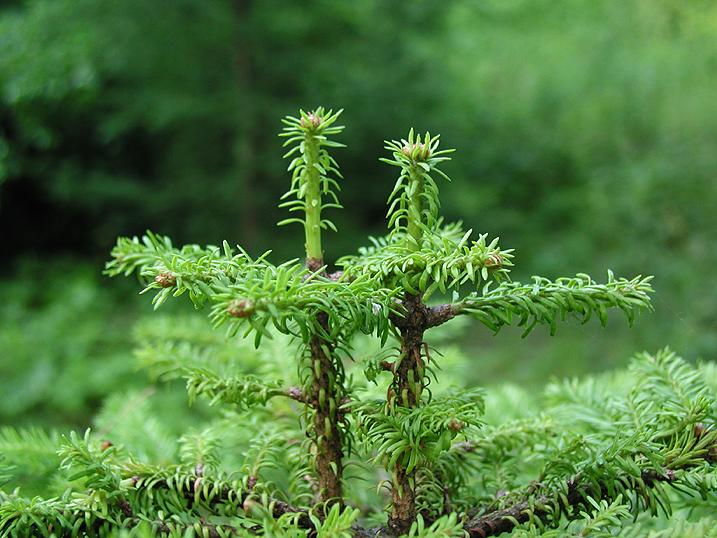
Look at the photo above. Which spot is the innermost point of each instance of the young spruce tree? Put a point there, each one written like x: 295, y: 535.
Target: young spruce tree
x: 594, y: 457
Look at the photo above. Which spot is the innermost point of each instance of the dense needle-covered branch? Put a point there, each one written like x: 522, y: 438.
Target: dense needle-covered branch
x: 577, y: 491
x: 255, y: 293
x: 444, y: 261
x: 313, y: 175
x: 545, y: 302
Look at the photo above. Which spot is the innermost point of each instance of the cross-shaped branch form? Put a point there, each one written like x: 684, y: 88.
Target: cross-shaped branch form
x: 383, y: 290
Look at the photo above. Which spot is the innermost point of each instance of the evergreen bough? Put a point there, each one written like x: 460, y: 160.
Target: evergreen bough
x: 592, y: 457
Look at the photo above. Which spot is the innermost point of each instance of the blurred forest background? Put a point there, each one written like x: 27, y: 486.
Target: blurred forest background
x: 586, y: 134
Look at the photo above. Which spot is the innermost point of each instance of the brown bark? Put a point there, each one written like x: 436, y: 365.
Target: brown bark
x: 324, y: 396
x: 437, y: 315
x: 328, y: 437
x: 406, y: 392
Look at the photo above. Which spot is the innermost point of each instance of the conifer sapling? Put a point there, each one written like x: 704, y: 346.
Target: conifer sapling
x: 449, y: 468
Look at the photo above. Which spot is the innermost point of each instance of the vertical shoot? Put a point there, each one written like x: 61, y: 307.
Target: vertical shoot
x: 413, y: 203
x: 314, y: 175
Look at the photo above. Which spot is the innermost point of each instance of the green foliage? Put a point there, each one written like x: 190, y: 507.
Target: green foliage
x: 311, y: 172
x: 251, y: 293
x: 413, y: 203
x: 635, y: 453
x: 28, y: 456
x: 552, y: 430
x: 546, y: 302
x: 417, y: 436
x: 292, y: 412
x: 444, y: 261
x: 63, y: 340
x: 576, y: 156
x: 446, y: 526
x: 113, y: 123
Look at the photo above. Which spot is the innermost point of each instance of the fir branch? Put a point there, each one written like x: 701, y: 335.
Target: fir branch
x: 546, y: 301
x: 176, y: 271
x: 28, y: 457
x: 444, y: 261
x: 634, y: 465
x: 574, y: 496
x: 245, y: 391
x: 413, y: 436
x: 324, y: 387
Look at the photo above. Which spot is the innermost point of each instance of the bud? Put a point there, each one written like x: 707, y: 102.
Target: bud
x: 251, y: 482
x: 312, y: 121
x: 701, y: 429
x: 105, y: 445
x: 418, y: 151
x: 295, y: 393
x: 166, y: 279
x: 251, y: 507
x: 456, y: 425
x: 494, y: 260
x: 240, y: 308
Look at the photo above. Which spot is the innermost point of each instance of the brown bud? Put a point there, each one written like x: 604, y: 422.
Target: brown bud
x: 251, y: 482
x: 494, y: 260
x: 249, y: 505
x: 105, y: 445
x: 199, y: 469
x: 135, y: 479
x: 456, y: 425
x: 311, y: 121
x: 295, y: 393
x: 240, y: 308
x: 166, y: 279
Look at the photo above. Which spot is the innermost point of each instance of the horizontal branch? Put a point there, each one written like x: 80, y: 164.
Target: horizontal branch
x: 437, y: 315
x: 544, y: 301
x: 192, y: 486
x: 253, y: 294
x: 493, y: 522
x: 446, y: 259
